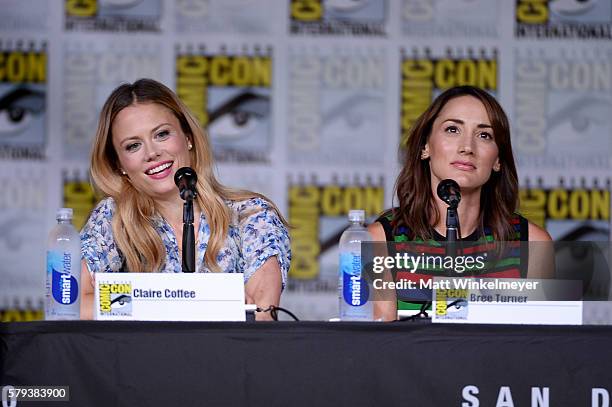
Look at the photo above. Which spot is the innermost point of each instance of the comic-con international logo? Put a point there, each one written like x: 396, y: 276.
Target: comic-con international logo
x: 338, y: 17
x: 245, y: 17
x: 569, y: 209
x: 113, y: 15
x: 79, y: 195
x: 317, y: 212
x: 451, y: 304
x: 21, y: 309
x: 450, y: 18
x: 562, y: 105
x: 336, y: 102
x: 230, y: 93
x: 424, y: 75
x: 115, y: 299
x: 583, y: 19
x: 23, y: 78
x: 91, y: 70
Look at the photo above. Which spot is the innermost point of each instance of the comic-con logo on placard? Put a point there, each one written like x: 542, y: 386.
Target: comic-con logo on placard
x: 317, y: 212
x: 115, y: 299
x: 569, y: 209
x: 583, y: 19
x: 336, y: 103
x: 23, y: 88
x: 562, y: 105
x: 113, y: 15
x: 451, y: 304
x: 230, y: 93
x: 450, y: 18
x: 338, y: 17
x: 424, y: 75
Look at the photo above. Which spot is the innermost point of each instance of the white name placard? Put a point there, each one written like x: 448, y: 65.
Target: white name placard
x: 506, y: 301
x: 169, y: 296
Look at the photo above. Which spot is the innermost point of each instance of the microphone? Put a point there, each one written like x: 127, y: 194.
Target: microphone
x: 186, y: 179
x: 449, y: 192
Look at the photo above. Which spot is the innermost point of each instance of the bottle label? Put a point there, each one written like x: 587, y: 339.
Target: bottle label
x: 64, y: 287
x: 354, y: 288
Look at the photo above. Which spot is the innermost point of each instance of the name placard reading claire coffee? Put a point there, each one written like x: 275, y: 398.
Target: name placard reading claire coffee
x: 170, y: 297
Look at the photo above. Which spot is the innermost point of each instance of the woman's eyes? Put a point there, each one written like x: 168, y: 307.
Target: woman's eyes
x: 132, y: 147
x: 162, y: 134
x: 452, y: 129
x: 455, y: 130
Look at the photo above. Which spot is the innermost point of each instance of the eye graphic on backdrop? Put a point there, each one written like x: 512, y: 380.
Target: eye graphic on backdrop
x: 587, y: 261
x: 570, y: 8
x: 14, y: 232
x: 345, y: 5
x: 571, y: 123
x: 239, y: 117
x: 353, y: 111
x: 17, y: 109
x: 587, y: 232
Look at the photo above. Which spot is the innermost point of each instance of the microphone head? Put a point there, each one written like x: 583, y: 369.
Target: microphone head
x: 449, y: 191
x: 186, y: 173
x: 186, y: 179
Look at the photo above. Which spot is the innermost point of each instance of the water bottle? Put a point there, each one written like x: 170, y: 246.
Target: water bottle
x: 63, y: 269
x: 355, y: 304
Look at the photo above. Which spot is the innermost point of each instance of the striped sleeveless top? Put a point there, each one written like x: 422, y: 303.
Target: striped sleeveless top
x: 513, y: 263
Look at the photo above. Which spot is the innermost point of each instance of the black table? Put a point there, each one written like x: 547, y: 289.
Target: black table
x: 307, y: 363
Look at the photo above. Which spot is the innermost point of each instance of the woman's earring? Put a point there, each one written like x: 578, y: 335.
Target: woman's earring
x: 123, y: 172
x: 424, y: 155
x: 189, y: 146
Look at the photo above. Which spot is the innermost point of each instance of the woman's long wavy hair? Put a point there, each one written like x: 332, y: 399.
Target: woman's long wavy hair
x: 133, y: 230
x: 499, y: 195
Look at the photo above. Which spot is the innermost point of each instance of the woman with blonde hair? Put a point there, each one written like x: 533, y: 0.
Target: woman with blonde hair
x: 145, y: 134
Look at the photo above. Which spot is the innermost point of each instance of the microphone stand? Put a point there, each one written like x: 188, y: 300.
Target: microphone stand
x: 452, y: 237
x: 188, y: 262
x: 448, y: 191
x: 452, y: 230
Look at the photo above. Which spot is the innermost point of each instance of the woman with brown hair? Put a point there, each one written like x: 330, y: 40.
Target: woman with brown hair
x: 145, y: 134
x: 464, y: 135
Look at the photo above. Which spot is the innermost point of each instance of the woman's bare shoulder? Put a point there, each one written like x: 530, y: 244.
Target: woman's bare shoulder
x: 377, y: 231
x: 538, y: 234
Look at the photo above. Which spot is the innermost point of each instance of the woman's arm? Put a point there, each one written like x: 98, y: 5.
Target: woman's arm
x: 264, y: 288
x: 385, y: 308
x: 266, y: 248
x: 541, y: 253
x: 87, y: 292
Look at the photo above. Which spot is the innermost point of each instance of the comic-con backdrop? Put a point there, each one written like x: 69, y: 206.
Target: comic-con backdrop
x: 306, y: 101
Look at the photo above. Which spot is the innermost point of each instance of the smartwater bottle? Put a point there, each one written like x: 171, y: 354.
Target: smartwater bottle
x: 355, y: 304
x: 63, y: 269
